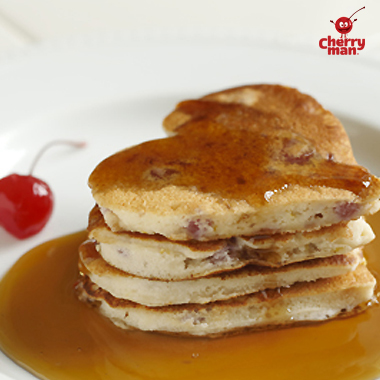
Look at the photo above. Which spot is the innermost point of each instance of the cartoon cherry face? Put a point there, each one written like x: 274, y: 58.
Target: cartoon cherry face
x: 344, y: 24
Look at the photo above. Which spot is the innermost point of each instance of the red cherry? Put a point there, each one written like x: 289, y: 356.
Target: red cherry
x: 26, y: 202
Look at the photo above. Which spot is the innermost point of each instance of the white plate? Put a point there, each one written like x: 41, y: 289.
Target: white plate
x: 114, y: 92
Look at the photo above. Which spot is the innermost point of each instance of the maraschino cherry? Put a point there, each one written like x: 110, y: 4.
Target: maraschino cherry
x: 26, y: 202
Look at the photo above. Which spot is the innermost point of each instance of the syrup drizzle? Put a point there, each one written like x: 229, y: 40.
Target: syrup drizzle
x: 45, y: 329
x: 220, y: 138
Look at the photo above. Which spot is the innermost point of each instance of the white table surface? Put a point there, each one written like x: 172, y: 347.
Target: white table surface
x: 26, y: 23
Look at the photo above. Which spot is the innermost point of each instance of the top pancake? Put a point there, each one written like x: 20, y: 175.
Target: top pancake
x: 259, y: 107
x: 243, y: 161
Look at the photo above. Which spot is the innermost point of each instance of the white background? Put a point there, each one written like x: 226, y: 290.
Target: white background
x: 29, y: 22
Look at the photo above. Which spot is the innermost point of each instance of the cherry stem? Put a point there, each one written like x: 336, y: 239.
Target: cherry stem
x: 357, y: 11
x: 75, y: 144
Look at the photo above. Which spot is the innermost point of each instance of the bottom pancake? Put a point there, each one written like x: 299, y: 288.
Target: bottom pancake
x: 300, y: 303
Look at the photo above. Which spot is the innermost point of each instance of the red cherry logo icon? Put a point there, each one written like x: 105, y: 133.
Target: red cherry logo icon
x: 344, y: 24
x: 26, y: 202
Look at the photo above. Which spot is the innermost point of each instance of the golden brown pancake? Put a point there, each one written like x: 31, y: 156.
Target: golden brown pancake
x: 273, y: 106
x: 276, y: 163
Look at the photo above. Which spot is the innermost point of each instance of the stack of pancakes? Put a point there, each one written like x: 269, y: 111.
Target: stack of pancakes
x: 250, y: 215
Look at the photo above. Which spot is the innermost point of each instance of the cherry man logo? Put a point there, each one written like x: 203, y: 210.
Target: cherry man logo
x: 340, y: 46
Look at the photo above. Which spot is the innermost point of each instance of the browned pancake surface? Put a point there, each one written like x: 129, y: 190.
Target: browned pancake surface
x: 239, y: 151
x: 273, y: 106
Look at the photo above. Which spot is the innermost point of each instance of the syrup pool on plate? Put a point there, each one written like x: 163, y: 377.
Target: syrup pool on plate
x: 45, y: 329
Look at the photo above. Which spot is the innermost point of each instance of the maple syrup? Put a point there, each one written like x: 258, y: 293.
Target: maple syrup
x: 45, y: 329
x: 269, y: 159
